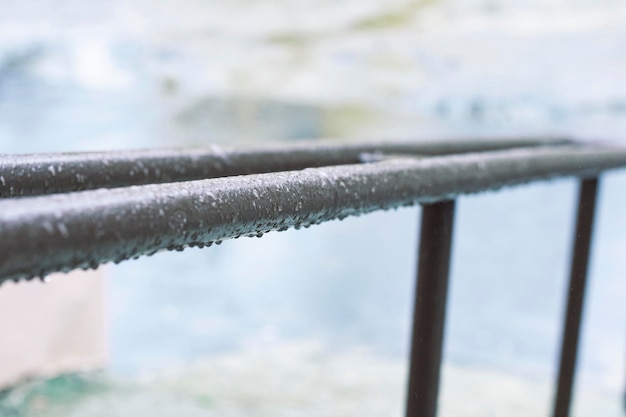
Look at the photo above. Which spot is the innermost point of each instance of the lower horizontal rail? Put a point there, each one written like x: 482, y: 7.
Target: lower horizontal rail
x: 45, y: 234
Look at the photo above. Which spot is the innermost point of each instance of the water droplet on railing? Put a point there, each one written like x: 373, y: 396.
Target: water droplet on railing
x: 63, y: 229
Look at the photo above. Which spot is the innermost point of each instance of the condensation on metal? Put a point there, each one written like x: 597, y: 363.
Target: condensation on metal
x: 44, y: 234
x: 27, y: 175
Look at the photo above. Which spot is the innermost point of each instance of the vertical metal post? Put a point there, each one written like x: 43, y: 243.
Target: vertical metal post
x: 578, y: 278
x: 430, y: 308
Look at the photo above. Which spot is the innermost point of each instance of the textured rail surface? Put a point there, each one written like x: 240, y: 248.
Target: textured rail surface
x: 27, y: 175
x: 45, y: 234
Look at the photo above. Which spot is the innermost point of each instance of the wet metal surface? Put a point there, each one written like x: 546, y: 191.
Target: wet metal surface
x: 26, y: 175
x: 44, y: 234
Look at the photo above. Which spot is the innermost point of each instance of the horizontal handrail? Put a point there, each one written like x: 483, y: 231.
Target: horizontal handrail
x: 171, y: 199
x: 26, y: 175
x: 45, y: 234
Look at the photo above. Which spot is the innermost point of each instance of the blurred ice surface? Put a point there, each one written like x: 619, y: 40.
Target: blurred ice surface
x: 288, y: 380
x: 124, y: 74
x: 446, y: 66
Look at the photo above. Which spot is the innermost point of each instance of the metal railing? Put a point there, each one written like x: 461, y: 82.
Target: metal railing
x: 65, y: 211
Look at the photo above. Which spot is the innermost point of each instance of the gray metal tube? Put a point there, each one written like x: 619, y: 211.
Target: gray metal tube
x: 44, y: 234
x: 575, y: 296
x: 27, y: 175
x: 429, y: 314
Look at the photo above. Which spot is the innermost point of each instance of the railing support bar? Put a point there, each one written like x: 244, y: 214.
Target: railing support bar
x: 430, y: 308
x: 578, y: 278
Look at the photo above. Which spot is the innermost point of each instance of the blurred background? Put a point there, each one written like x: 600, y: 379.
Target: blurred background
x: 317, y: 322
